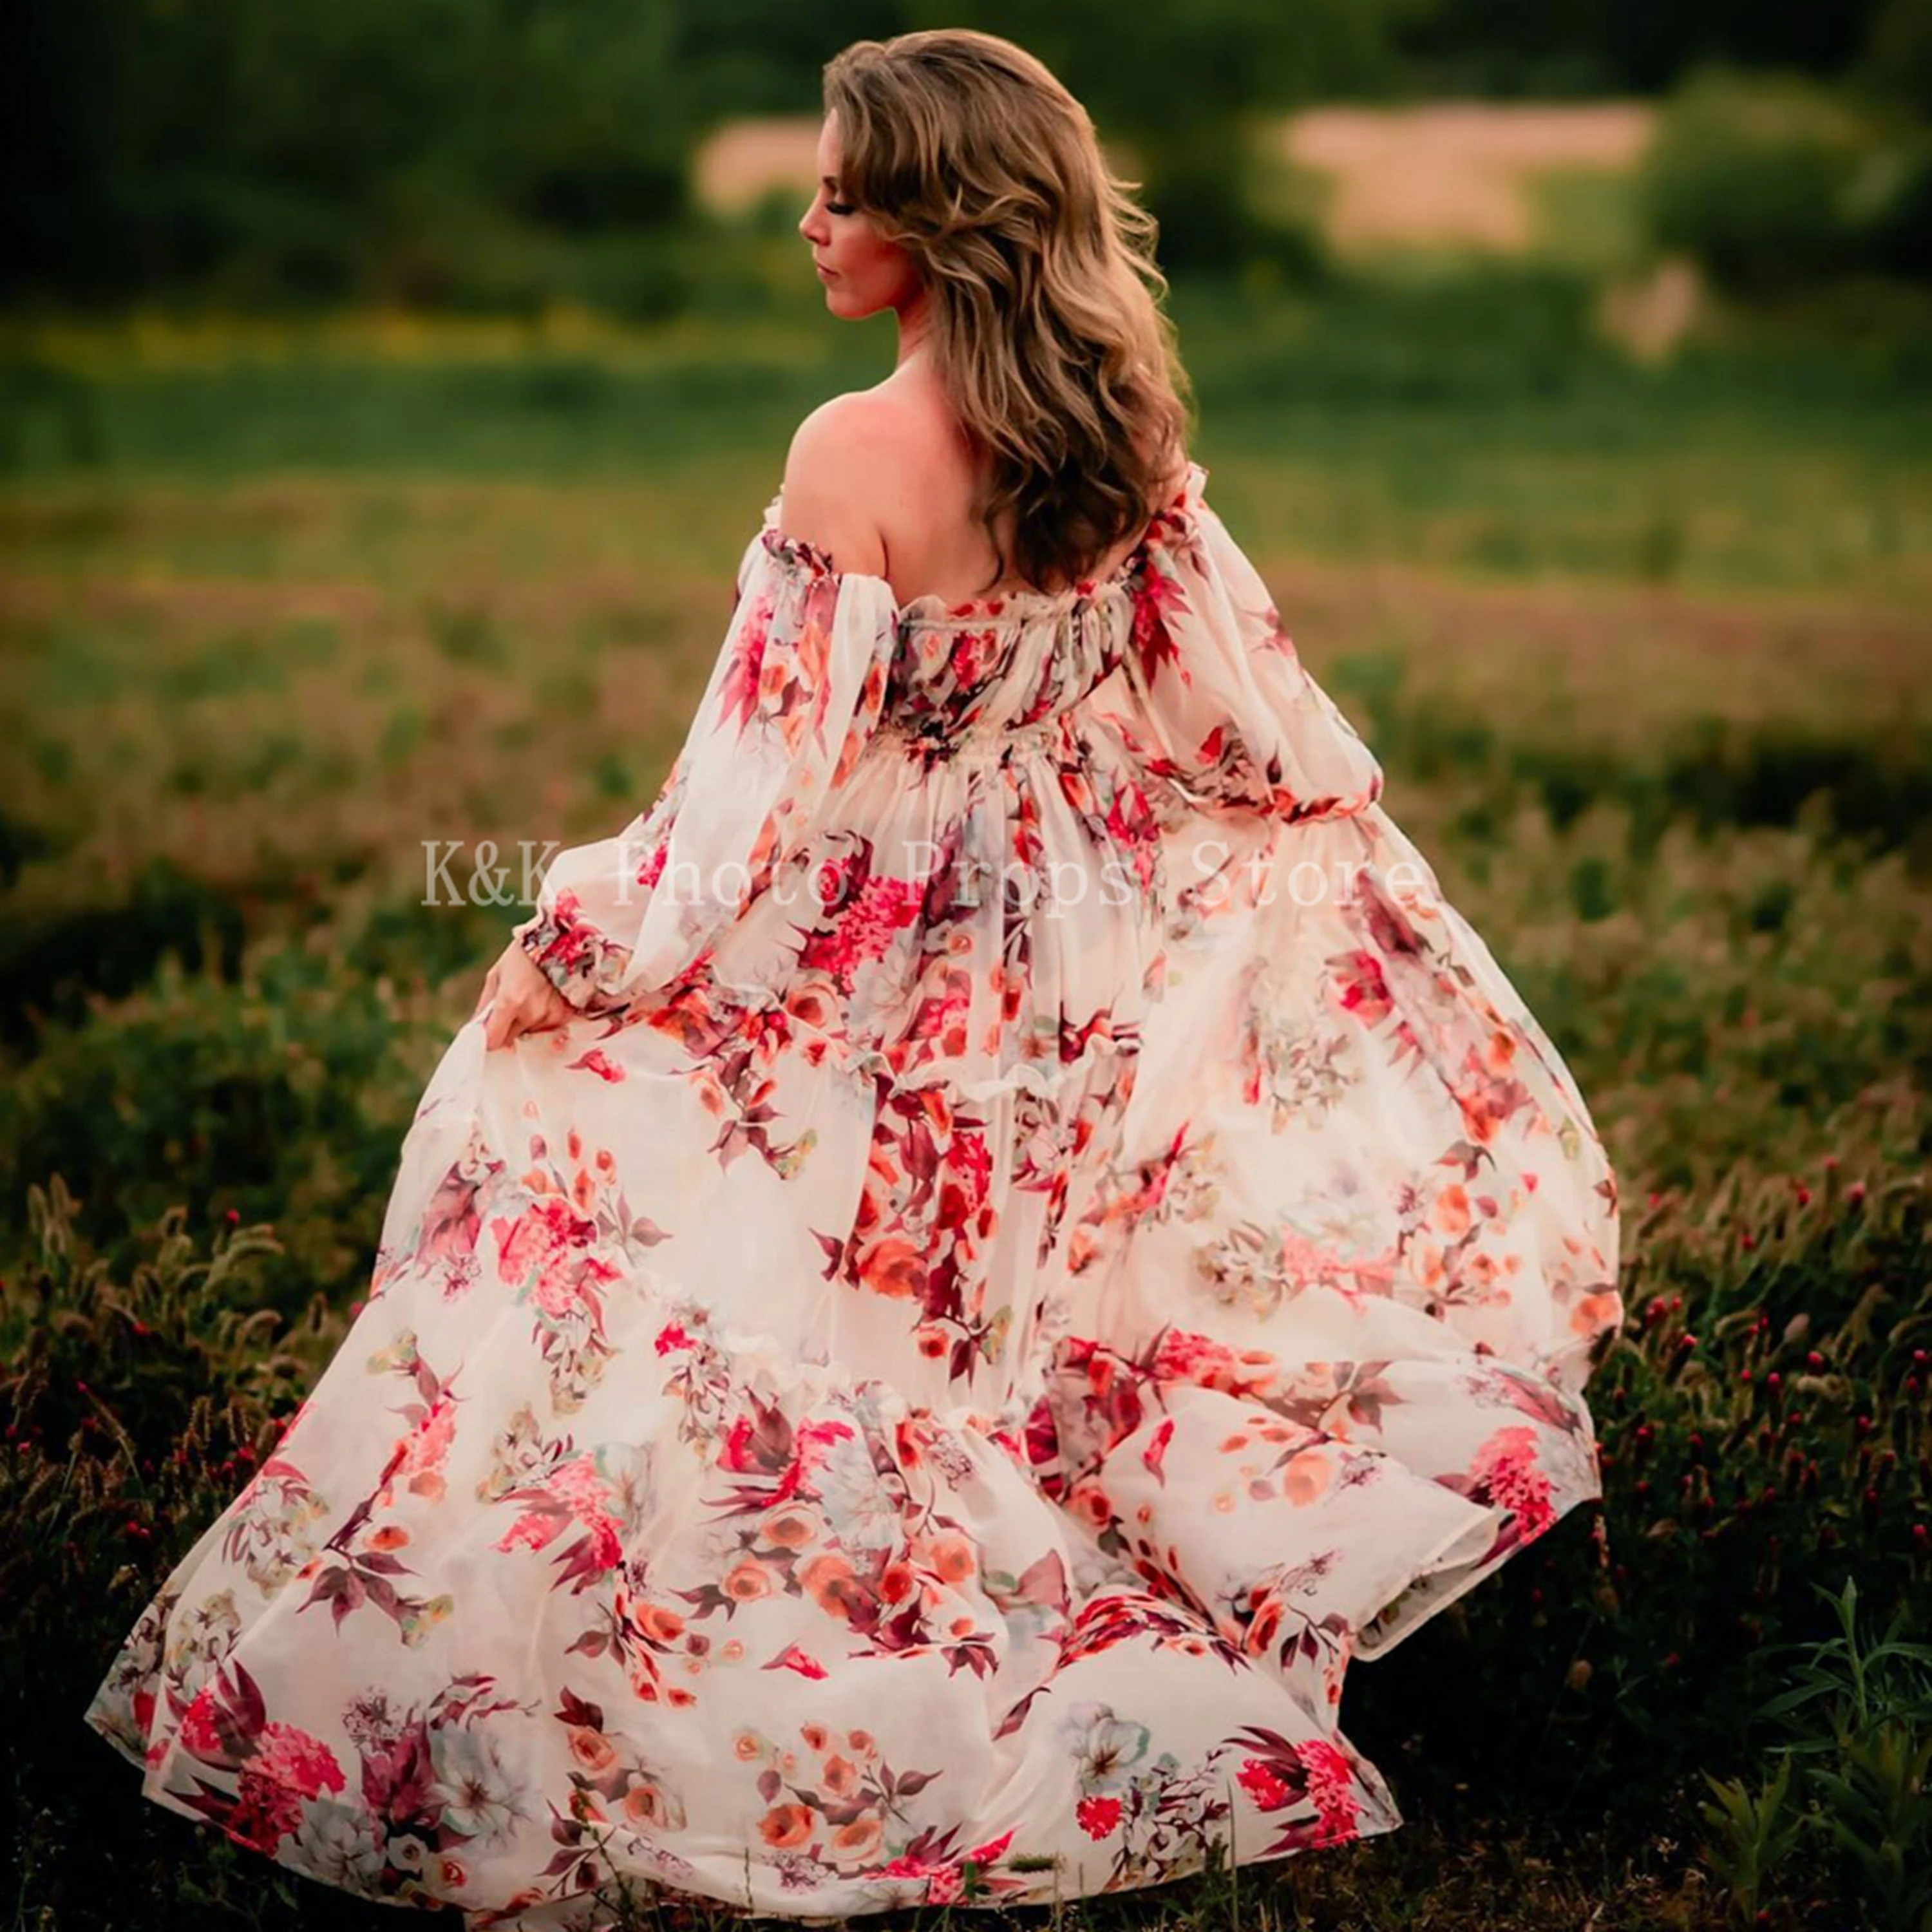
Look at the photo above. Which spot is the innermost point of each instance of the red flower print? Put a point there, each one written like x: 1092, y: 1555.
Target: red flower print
x: 1263, y: 1785
x: 1099, y: 1817
x: 293, y: 1758
x: 793, y: 1657
x: 1361, y: 987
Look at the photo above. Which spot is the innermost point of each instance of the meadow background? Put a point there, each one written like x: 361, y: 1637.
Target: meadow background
x: 385, y: 395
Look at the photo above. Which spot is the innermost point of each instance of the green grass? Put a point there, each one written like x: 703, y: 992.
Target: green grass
x: 1587, y: 217
x: 1475, y: 422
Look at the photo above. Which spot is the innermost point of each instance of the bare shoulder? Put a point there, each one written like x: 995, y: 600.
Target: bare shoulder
x: 844, y: 469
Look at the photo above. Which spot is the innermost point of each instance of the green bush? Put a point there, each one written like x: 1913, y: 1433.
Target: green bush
x: 1775, y: 185
x: 137, y: 1396
x: 1890, y: 205
x: 1858, y: 1720
x: 1753, y: 178
x: 287, y: 1094
x: 1223, y: 203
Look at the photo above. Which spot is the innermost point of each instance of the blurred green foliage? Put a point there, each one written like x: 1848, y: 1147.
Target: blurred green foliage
x: 484, y: 154
x: 1776, y: 185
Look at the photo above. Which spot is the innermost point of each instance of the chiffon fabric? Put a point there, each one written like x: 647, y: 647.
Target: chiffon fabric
x: 1046, y: 1239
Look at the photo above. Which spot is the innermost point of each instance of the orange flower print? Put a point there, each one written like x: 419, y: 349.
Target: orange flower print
x: 790, y: 1529
x: 828, y: 1581
x: 1306, y: 1476
x: 954, y: 1559
x: 1595, y: 1313
x: 785, y: 1826
x: 893, y: 1267
x: 859, y: 1839
x: 644, y: 1803
x: 592, y: 1749
x: 744, y: 1583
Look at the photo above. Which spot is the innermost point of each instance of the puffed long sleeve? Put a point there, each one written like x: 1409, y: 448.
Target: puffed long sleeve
x: 797, y: 690
x: 1221, y: 704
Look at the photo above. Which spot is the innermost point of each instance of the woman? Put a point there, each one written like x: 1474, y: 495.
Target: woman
x: 970, y: 1258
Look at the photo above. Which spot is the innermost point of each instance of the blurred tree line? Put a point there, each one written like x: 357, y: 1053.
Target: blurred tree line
x: 480, y: 152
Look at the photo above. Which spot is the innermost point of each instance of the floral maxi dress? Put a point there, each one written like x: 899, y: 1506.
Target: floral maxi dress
x: 1046, y: 1238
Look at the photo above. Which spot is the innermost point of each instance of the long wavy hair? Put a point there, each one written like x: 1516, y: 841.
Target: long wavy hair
x: 1047, y: 332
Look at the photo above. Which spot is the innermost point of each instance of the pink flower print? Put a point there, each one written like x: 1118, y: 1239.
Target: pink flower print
x: 1331, y: 1784
x: 1506, y: 1469
x: 739, y: 694
x: 264, y: 1814
x: 833, y: 881
x: 969, y: 1178
x: 907, y: 1865
x: 578, y: 1486
x: 292, y: 1757
x: 883, y: 906
x: 1188, y: 1357
x: 973, y: 656
x: 424, y: 1449
x: 945, y: 1019
x: 569, y: 936
x: 548, y: 1230
x: 533, y: 1530
x: 738, y: 1448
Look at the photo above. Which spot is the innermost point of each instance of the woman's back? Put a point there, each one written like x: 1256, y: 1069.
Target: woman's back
x: 914, y: 474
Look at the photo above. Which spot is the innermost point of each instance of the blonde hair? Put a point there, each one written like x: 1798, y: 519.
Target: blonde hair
x: 1048, y: 334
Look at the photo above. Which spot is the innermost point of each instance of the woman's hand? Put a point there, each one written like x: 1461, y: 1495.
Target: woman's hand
x: 524, y: 1000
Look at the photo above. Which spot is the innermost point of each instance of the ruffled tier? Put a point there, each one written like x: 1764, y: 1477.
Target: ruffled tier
x: 1361, y: 1193
x: 752, y: 1625
x: 742, y: 1623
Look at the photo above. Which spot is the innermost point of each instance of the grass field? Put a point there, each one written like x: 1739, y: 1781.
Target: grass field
x: 1646, y: 654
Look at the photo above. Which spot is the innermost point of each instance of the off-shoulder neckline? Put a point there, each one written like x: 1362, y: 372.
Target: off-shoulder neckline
x: 930, y: 606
